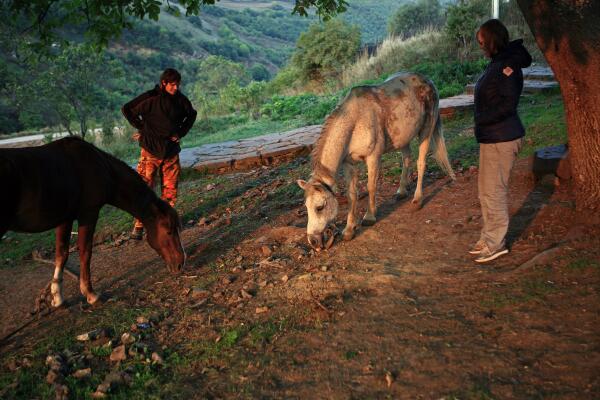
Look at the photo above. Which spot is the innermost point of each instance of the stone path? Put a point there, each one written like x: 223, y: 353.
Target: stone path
x: 536, y: 79
x: 244, y: 154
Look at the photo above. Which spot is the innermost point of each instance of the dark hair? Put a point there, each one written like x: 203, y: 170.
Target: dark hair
x: 170, y: 75
x: 495, y: 36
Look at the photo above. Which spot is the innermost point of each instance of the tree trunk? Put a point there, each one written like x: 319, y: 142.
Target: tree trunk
x: 568, y: 33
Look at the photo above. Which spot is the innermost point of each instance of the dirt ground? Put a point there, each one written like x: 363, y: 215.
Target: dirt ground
x: 401, y: 311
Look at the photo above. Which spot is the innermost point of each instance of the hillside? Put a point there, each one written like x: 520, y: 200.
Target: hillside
x: 257, y: 34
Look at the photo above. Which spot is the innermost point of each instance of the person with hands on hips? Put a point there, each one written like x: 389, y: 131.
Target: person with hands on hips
x: 162, y: 116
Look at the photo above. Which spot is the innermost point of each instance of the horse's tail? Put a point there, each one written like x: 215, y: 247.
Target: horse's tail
x: 438, y: 146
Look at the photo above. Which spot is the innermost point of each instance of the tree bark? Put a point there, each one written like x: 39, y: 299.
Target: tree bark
x: 568, y: 33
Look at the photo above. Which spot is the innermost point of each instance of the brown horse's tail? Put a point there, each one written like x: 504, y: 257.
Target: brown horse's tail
x: 438, y: 146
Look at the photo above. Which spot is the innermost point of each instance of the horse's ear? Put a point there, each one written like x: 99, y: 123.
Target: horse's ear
x: 302, y: 183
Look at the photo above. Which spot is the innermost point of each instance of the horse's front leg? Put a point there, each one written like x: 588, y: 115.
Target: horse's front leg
x: 85, y: 242
x: 373, y: 167
x: 402, y: 192
x: 423, y: 149
x: 351, y: 177
x: 63, y: 236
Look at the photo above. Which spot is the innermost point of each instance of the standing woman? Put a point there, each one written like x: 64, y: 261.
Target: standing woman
x: 499, y: 132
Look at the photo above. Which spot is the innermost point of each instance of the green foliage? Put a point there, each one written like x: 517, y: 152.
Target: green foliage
x: 324, y: 50
x: 312, y: 107
x: 451, y: 78
x: 70, y: 86
x: 412, y: 18
x: 259, y: 73
x: 462, y: 21
x: 216, y: 72
x: 372, y: 18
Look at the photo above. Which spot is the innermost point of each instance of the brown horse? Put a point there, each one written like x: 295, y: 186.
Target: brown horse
x: 53, y: 185
x: 370, y: 121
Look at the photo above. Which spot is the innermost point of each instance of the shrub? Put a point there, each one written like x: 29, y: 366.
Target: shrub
x: 412, y: 18
x: 312, y: 107
x: 325, y: 49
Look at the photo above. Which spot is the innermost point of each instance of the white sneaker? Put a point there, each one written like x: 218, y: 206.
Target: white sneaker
x: 478, y: 248
x: 487, y: 255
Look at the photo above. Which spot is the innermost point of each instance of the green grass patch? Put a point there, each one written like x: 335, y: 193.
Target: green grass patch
x: 582, y: 264
x: 520, y: 293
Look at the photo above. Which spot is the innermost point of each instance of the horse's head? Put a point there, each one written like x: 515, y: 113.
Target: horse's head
x: 322, y: 207
x: 163, y: 228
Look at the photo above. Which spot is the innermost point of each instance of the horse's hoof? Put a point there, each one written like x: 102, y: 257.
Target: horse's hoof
x: 416, y: 205
x: 56, y: 303
x: 366, y: 221
x: 399, y: 196
x: 348, y: 234
x: 92, y: 298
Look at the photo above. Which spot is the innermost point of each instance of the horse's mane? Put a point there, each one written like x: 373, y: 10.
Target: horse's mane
x: 119, y: 170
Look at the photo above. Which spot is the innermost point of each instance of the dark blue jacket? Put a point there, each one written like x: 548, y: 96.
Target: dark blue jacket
x: 157, y: 115
x: 497, y: 95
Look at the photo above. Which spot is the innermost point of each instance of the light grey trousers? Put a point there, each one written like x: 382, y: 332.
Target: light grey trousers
x: 495, y: 163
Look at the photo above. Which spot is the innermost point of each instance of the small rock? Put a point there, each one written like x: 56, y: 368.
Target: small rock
x: 95, y: 334
x: 61, y: 392
x: 266, y: 250
x: 239, y: 259
x: 156, y: 358
x: 12, y: 365
x: 284, y: 278
x: 324, y: 268
x: 53, y: 376
x: 142, y: 320
x: 203, y: 221
x: 118, y: 353
x: 245, y: 294
x: 210, y: 186
x: 55, y: 362
x: 389, y: 378
x: 262, y: 284
x: 198, y: 293
x: 261, y: 310
x: 98, y: 395
x: 127, y: 338
x: 228, y: 279
x: 82, y: 373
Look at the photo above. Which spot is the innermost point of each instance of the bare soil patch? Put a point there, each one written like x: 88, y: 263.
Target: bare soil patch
x: 401, y: 311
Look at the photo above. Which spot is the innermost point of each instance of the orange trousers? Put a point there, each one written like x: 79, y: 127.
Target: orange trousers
x: 169, y: 169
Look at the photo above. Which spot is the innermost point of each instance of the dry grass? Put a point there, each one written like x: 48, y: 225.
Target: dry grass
x: 394, y: 54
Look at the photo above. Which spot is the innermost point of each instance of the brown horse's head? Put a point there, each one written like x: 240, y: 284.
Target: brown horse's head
x: 322, y: 208
x: 163, y: 228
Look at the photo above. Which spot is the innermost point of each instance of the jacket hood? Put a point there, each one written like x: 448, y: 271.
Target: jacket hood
x: 516, y: 53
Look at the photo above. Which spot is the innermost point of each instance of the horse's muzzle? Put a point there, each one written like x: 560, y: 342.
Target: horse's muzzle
x: 175, y: 268
x: 327, y: 237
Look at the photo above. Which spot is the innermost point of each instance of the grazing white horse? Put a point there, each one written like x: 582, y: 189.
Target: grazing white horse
x: 370, y: 121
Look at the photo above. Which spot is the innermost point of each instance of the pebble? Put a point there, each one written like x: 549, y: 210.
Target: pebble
x: 82, y: 373
x: 118, y: 353
x: 53, y: 376
x: 266, y: 250
x: 156, y: 358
